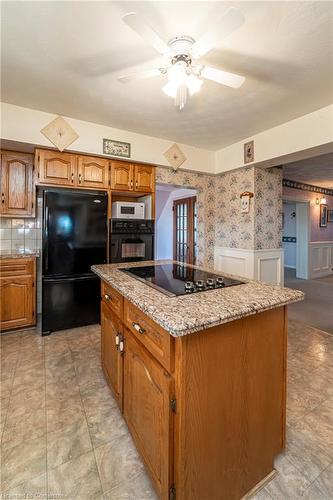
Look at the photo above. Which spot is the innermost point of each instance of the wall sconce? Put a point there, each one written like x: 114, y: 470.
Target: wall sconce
x: 321, y: 201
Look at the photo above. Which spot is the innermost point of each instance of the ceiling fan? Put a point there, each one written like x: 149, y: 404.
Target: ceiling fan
x: 184, y: 75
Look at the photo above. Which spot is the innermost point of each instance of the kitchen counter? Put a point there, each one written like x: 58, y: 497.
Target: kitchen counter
x: 14, y: 254
x: 187, y: 314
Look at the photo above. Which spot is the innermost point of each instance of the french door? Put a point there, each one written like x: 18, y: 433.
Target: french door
x: 185, y: 230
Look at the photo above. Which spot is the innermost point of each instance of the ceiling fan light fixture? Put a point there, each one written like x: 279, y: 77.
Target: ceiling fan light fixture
x: 193, y: 84
x: 170, y: 89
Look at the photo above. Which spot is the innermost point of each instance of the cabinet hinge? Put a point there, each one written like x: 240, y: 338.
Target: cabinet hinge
x: 173, y: 405
x: 172, y: 493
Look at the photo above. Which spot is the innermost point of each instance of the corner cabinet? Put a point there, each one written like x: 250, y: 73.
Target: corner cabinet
x: 17, y: 185
x: 70, y: 170
x: 132, y: 177
x: 17, y: 293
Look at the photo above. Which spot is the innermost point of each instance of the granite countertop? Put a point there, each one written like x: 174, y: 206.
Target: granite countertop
x: 14, y: 254
x: 186, y: 314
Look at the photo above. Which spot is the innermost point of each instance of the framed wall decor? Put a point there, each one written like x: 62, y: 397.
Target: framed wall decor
x: 329, y: 215
x: 116, y: 148
x: 249, y: 152
x: 323, y: 216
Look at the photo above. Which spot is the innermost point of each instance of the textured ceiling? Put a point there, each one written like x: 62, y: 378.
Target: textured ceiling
x: 63, y: 57
x: 317, y: 171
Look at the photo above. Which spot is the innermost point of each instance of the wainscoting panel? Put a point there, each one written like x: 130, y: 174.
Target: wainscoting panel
x: 320, y: 259
x: 261, y: 265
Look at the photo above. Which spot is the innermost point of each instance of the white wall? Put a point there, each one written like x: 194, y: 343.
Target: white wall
x: 24, y: 125
x: 164, y: 220
x: 289, y: 229
x: 309, y: 131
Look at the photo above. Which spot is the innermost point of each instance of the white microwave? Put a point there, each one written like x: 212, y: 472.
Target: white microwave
x: 128, y: 210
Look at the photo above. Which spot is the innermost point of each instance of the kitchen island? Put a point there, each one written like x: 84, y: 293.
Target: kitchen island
x: 200, y: 379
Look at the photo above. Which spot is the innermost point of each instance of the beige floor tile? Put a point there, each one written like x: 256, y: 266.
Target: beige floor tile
x: 33, y: 488
x: 67, y: 443
x: 105, y: 427
x: 23, y: 462
x: 76, y: 479
x: 139, y: 487
x: 117, y: 462
x: 322, y: 487
x: 289, y: 483
x: 62, y: 413
x: 261, y: 495
x: 23, y: 426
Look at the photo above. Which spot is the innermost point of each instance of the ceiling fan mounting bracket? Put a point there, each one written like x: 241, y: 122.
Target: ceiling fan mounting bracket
x: 181, y: 45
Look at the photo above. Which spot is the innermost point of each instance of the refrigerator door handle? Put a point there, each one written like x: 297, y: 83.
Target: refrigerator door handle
x: 75, y: 278
x: 46, y: 238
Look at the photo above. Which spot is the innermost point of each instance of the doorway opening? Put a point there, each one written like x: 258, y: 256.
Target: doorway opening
x: 176, y: 223
x: 296, y: 239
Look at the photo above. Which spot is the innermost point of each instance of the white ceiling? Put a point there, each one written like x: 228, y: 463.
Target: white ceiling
x: 317, y: 171
x: 63, y: 57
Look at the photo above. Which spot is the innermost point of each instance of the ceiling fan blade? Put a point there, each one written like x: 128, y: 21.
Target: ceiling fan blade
x: 223, y: 77
x: 220, y: 29
x: 139, y: 75
x: 135, y: 21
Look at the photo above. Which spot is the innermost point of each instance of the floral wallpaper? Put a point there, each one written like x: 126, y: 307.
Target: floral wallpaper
x: 220, y: 221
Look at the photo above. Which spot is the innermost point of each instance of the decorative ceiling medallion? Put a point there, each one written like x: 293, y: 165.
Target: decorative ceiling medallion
x: 175, y: 156
x: 60, y: 133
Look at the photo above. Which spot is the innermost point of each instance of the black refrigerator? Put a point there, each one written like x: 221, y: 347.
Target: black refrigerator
x: 74, y: 238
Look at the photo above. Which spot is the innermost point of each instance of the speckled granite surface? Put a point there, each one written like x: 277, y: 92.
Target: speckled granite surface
x: 8, y: 254
x: 191, y: 313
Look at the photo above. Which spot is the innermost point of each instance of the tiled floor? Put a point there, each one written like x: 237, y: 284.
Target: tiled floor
x: 63, y: 436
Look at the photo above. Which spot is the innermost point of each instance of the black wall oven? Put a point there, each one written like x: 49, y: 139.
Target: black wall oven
x: 131, y: 240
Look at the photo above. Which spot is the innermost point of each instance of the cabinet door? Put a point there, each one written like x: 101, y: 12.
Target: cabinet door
x: 112, y: 360
x: 144, y: 178
x: 92, y: 172
x: 147, y: 393
x: 56, y: 168
x: 16, y: 302
x: 17, y: 187
x: 121, y: 176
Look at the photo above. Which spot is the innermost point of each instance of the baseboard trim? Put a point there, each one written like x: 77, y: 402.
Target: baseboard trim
x: 255, y: 490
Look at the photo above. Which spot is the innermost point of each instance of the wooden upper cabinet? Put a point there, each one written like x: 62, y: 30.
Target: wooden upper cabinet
x: 92, y: 172
x: 144, y: 178
x: 56, y: 168
x: 147, y: 392
x: 17, y: 184
x: 122, y: 176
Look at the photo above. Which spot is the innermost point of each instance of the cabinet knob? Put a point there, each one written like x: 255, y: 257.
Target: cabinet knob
x: 138, y: 328
x: 121, y: 345
x: 72, y: 177
x: 2, y: 197
x: 107, y: 297
x: 117, y: 340
x: 80, y: 178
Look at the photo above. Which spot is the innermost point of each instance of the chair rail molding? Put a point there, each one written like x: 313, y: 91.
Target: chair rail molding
x: 262, y: 265
x: 320, y: 259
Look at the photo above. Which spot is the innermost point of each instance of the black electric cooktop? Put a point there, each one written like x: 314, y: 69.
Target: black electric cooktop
x: 179, y: 279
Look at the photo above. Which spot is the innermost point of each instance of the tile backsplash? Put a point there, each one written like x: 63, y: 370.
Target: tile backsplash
x: 20, y: 234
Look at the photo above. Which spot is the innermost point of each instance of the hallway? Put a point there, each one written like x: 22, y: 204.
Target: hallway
x: 317, y: 308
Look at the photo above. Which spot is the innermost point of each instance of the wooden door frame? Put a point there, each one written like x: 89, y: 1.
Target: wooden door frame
x: 191, y: 200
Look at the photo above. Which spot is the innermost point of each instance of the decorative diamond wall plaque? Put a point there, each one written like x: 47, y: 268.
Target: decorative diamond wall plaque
x: 60, y: 133
x: 175, y: 156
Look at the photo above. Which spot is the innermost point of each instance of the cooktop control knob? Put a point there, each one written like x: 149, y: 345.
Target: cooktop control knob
x: 199, y: 284
x: 189, y: 286
x: 220, y: 281
x: 210, y: 282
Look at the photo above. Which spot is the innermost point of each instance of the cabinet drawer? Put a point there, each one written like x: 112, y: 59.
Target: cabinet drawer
x: 153, y: 337
x: 16, y: 267
x: 112, y: 299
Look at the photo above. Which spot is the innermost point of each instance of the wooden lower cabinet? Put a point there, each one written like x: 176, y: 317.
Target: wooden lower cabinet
x: 17, y: 293
x: 112, y: 362
x: 148, y: 390
x: 207, y: 411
